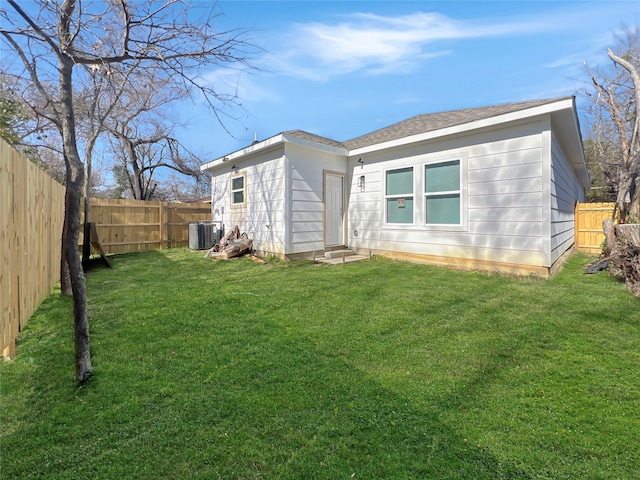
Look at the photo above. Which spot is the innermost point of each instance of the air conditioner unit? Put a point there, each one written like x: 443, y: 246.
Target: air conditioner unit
x: 203, y: 235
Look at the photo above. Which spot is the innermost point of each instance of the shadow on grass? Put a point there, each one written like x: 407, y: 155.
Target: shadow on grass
x: 198, y: 379
x: 275, y: 406
x: 352, y: 424
x: 284, y: 406
x: 152, y: 257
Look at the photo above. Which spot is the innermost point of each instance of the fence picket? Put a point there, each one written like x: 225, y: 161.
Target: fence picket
x: 31, y: 214
x: 588, y: 225
x: 31, y: 217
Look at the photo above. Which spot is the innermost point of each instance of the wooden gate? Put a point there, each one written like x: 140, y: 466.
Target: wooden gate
x: 589, y: 218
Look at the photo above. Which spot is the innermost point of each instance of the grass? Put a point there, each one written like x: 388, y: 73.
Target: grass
x: 369, y: 370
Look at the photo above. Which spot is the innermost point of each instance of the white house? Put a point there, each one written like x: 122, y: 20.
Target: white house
x: 484, y: 188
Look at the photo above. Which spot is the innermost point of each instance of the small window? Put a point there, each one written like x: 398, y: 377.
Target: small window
x: 442, y: 193
x: 399, y: 195
x: 238, y: 190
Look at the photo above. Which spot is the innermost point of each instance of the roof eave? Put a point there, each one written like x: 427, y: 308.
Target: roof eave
x: 316, y: 145
x: 465, y: 127
x: 251, y: 149
x: 269, y: 143
x: 568, y: 119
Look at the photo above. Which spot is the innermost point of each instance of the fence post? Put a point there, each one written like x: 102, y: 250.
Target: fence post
x: 577, y: 241
x: 169, y: 225
x: 161, y: 213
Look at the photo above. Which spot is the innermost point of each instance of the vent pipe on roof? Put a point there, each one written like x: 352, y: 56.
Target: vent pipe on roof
x: 255, y: 138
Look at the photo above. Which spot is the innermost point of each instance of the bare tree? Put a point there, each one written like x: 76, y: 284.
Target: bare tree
x: 98, y: 100
x: 143, y: 133
x: 141, y: 157
x: 26, y: 133
x: 144, y: 141
x: 602, y: 187
x: 54, y: 44
x: 614, y: 122
x: 178, y: 188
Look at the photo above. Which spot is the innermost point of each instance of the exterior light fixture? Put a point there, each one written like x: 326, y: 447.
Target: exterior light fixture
x: 361, y: 183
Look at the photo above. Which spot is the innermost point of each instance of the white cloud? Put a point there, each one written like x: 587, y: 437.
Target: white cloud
x: 239, y: 84
x: 591, y: 49
x: 375, y: 44
x: 407, y: 99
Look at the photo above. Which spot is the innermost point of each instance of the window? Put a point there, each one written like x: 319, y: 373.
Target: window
x: 442, y: 193
x: 399, y: 195
x: 238, y: 190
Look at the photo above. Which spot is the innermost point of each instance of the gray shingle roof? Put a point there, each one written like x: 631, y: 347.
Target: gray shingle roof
x: 314, y: 138
x: 436, y: 121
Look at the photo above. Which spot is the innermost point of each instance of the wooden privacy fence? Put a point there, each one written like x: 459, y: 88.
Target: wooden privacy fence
x: 31, y: 216
x: 134, y: 225
x: 588, y: 230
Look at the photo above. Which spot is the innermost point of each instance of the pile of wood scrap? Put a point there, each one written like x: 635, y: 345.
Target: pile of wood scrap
x: 622, y: 254
x: 626, y: 266
x: 233, y: 244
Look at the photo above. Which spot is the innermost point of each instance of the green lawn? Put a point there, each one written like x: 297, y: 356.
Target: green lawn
x: 368, y: 370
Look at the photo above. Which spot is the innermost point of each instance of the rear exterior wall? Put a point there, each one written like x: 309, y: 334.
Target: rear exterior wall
x: 565, y: 193
x: 262, y: 215
x: 501, y: 199
x: 305, y: 195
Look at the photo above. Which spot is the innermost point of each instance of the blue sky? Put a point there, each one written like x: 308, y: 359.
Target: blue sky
x: 344, y: 68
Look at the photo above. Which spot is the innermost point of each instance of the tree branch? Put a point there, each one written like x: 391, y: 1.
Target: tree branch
x: 36, y: 28
x: 635, y: 76
x: 33, y: 75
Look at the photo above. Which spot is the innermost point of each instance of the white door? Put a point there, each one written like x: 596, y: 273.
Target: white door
x: 334, y: 210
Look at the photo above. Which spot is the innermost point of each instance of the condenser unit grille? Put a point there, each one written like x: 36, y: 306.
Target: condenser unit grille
x: 203, y: 235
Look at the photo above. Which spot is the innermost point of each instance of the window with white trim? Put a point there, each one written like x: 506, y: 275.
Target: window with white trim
x: 238, y: 190
x: 442, y: 193
x: 399, y: 195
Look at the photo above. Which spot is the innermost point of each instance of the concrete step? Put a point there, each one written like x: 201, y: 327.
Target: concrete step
x: 339, y: 260
x: 338, y: 253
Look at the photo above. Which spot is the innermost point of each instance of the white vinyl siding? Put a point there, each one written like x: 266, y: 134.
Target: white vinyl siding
x: 262, y: 214
x: 565, y: 192
x: 305, y: 196
x: 500, y: 192
x: 284, y: 205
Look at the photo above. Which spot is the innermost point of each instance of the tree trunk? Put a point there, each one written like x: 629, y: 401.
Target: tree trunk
x: 80, y: 321
x: 634, y: 209
x: 87, y: 191
x: 65, y: 277
x: 86, y: 233
x: 626, y: 184
x: 73, y: 197
x: 610, y: 236
x: 632, y: 152
x: 135, y: 182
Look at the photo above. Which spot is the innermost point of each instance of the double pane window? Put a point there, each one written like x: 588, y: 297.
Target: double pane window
x: 238, y: 190
x: 442, y: 193
x: 399, y: 195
